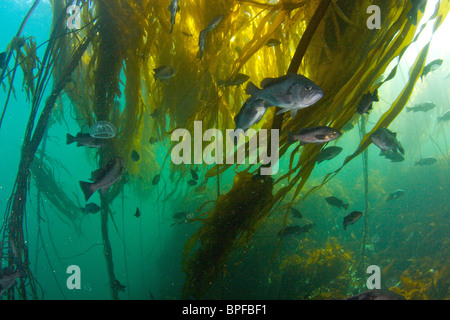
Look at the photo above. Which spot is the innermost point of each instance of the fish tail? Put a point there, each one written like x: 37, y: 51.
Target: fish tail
x: 401, y: 149
x: 70, y: 138
x: 291, y: 137
x: 408, y: 109
x: 251, y: 89
x: 87, y: 189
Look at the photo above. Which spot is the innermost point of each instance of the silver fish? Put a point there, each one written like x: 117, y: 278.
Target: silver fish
x: 164, y: 73
x: 289, y: 92
x: 173, y: 8
x: 85, y: 139
x: 214, y: 23
x: 320, y: 134
x: 386, y: 140
x: 104, y: 177
x: 251, y: 113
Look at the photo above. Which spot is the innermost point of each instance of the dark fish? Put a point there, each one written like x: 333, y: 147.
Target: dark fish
x: 163, y: 73
x: 238, y: 79
x: 202, y: 37
x: 251, y: 113
x: 394, y: 156
x: 433, y: 65
x: 291, y: 230
x: 202, y: 42
x: 91, y: 208
x: 352, y: 218
x: 336, y: 202
x: 192, y: 182
x: 289, y: 92
x: 135, y: 155
x: 416, y: 6
x: 377, y: 294
x: 445, y: 116
x: 328, y: 153
x: 85, y: 139
x: 152, y: 140
x: 397, y: 194
x: 320, y: 134
x: 424, y: 107
x: 137, y: 214
x: 348, y: 126
x: 156, y: 179
x: 194, y: 174
x: 386, y: 140
x: 104, y: 178
x: 180, y: 215
x: 3, y: 57
x: 273, y: 42
x: 173, y: 8
x: 296, y: 213
x: 425, y: 161
x: 365, y: 104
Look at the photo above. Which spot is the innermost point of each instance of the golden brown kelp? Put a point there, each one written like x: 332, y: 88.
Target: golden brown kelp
x: 317, y: 274
x: 231, y: 223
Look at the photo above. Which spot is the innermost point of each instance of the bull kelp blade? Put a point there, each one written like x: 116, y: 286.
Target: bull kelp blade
x: 398, y: 105
x: 388, y: 116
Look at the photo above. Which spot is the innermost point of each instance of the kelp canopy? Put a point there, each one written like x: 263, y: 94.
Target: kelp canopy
x: 327, y: 41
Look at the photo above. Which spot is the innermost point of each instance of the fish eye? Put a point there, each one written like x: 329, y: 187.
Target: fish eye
x: 308, y: 87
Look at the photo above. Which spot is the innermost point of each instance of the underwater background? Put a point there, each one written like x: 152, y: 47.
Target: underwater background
x: 156, y: 256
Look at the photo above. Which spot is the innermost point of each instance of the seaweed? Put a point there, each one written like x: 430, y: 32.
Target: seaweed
x: 229, y: 225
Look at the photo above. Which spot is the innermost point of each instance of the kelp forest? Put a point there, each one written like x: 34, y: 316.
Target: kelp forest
x: 104, y: 98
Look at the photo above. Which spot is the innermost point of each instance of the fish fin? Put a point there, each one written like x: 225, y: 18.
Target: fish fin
x: 87, y: 190
x: 293, y: 113
x: 400, y: 148
x: 346, y: 206
x: 70, y: 138
x: 291, y: 138
x: 251, y: 89
x: 267, y: 82
x: 283, y: 110
x: 79, y: 144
